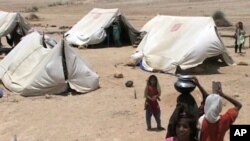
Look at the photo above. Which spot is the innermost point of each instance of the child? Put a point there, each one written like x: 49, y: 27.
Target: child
x: 185, y: 127
x: 240, y: 37
x: 117, y: 33
x: 152, y: 94
x: 235, y: 37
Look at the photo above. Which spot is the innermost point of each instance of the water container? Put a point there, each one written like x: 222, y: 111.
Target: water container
x: 185, y: 84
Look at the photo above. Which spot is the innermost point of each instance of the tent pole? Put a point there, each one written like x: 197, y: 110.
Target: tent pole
x: 43, y: 41
x: 64, y: 63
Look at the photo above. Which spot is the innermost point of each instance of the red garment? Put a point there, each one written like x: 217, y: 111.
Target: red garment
x: 216, y: 131
x: 154, y: 105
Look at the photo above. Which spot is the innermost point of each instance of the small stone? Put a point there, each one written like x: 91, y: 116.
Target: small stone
x: 236, y: 95
x: 48, y: 96
x: 52, y: 25
x: 118, y: 75
x: 82, y: 46
x: 241, y: 63
x: 129, y: 83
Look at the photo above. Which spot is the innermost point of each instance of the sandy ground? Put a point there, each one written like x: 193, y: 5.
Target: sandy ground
x: 112, y: 113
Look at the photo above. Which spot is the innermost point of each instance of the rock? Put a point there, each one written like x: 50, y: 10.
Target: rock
x: 129, y: 83
x: 64, y: 27
x: 241, y: 63
x: 82, y: 46
x: 118, y: 75
x: 48, y: 96
x: 246, y: 75
x: 236, y: 95
x: 53, y: 26
x: 134, y: 45
x: 157, y: 70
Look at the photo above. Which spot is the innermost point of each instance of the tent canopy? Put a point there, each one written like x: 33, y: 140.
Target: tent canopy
x: 174, y: 41
x: 96, y: 26
x: 31, y: 69
x: 13, y: 24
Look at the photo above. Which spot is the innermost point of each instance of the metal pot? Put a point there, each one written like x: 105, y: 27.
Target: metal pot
x: 185, y: 84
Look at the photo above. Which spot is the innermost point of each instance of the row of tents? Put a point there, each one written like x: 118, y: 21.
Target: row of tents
x: 32, y: 68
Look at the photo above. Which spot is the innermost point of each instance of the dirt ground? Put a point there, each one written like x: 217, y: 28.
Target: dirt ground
x: 112, y: 113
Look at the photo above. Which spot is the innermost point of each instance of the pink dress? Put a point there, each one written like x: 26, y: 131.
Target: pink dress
x: 171, y: 139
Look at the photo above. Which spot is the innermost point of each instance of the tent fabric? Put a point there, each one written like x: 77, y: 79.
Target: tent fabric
x: 173, y: 41
x: 9, y: 21
x: 31, y: 69
x: 92, y: 28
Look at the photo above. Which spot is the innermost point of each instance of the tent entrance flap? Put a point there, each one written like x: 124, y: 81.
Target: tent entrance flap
x: 119, y: 33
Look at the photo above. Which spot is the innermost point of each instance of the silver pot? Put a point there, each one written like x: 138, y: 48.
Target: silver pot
x: 185, y: 84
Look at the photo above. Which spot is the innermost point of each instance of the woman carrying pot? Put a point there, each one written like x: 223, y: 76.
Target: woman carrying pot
x: 185, y: 85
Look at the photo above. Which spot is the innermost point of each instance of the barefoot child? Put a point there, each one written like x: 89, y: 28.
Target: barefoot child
x: 152, y: 94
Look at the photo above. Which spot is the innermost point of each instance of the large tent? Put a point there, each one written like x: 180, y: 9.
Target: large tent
x: 13, y: 26
x: 30, y: 69
x: 183, y: 42
x: 96, y: 28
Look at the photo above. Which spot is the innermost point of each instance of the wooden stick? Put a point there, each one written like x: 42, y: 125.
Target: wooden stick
x: 135, y: 93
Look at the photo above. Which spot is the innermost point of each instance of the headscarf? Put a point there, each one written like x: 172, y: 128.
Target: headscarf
x: 213, y: 107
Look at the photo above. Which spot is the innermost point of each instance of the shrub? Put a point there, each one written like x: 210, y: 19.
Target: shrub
x: 218, y: 15
x: 32, y: 17
x: 32, y: 9
x: 220, y: 20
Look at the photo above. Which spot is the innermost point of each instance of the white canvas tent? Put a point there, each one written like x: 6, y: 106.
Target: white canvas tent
x: 31, y: 70
x: 13, y: 24
x: 94, y: 28
x: 174, y: 41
